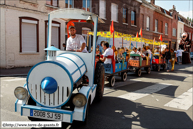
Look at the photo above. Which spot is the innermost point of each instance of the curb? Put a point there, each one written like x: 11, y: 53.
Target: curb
x: 8, y: 75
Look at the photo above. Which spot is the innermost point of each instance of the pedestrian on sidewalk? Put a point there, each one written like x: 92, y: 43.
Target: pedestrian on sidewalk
x: 179, y: 55
x: 173, y: 58
x: 168, y: 58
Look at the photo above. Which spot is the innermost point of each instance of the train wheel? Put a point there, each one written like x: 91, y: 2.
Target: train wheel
x: 124, y: 76
x: 148, y: 70
x: 99, y: 79
x: 112, y: 81
x: 158, y: 68
x: 138, y: 72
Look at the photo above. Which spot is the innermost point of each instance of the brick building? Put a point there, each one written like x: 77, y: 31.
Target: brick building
x: 162, y: 24
x: 125, y: 15
x: 146, y: 19
x: 174, y: 27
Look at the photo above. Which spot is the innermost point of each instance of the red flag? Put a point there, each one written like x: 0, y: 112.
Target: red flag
x: 112, y: 27
x: 140, y: 33
x: 137, y: 35
x: 160, y: 37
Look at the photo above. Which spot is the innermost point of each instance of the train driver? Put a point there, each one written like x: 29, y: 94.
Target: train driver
x: 75, y: 42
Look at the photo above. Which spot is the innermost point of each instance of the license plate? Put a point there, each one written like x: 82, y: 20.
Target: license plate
x: 46, y: 115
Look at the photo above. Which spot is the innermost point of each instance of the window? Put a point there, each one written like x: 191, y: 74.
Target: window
x: 102, y: 10
x: 52, y: 2
x: 161, y: 26
x: 147, y: 23
x: 156, y: 25
x: 133, y: 18
x: 114, y: 12
x: 142, y: 21
x: 124, y: 15
x: 55, y: 39
x: 86, y: 5
x: 174, y: 32
x: 69, y: 3
x: 166, y: 28
x: 29, y: 37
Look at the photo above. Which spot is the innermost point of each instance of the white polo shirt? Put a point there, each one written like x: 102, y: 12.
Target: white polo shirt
x: 75, y: 43
x: 108, y: 52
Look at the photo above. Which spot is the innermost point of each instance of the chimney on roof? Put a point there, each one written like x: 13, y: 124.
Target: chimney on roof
x: 152, y: 1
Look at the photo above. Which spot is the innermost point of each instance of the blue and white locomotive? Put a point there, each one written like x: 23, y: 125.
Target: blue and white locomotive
x: 54, y: 88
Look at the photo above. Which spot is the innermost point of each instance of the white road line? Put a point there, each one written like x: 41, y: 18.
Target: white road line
x: 144, y: 92
x: 183, y: 101
x: 16, y: 79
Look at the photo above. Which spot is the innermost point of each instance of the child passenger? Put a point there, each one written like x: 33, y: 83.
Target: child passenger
x: 120, y: 56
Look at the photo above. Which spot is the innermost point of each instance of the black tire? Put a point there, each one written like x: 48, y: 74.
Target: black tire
x: 99, y: 79
x: 124, y: 76
x: 158, y: 68
x: 112, y: 81
x: 138, y: 72
x: 148, y: 70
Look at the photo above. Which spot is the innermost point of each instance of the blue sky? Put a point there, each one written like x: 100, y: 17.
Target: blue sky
x: 184, y: 7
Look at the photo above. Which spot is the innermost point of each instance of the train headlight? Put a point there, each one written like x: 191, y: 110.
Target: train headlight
x: 20, y: 93
x: 79, y: 100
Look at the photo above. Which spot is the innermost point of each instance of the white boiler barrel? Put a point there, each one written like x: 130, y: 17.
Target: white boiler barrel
x: 50, y: 83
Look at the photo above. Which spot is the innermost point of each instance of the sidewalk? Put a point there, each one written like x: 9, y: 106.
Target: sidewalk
x: 22, y: 71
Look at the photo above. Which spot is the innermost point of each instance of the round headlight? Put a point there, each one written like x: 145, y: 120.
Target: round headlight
x: 20, y: 93
x: 79, y: 100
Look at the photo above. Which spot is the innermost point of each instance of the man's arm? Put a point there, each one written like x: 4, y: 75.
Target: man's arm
x: 68, y: 45
x: 103, y: 59
x: 83, y: 44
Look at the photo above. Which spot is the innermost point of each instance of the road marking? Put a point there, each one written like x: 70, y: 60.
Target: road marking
x: 16, y: 79
x: 183, y: 101
x: 144, y: 92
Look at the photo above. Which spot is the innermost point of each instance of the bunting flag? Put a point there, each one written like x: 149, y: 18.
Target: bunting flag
x: 137, y: 35
x: 140, y: 32
x: 160, y: 37
x: 112, y: 27
x: 127, y: 37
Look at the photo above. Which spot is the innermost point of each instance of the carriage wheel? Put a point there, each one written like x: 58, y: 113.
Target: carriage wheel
x: 124, y: 76
x: 112, y: 81
x: 138, y: 72
x: 148, y: 70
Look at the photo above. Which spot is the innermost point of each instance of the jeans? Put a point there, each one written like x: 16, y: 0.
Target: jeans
x: 168, y: 64
x: 179, y: 59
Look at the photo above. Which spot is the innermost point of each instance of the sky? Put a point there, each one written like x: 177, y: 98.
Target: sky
x: 184, y: 7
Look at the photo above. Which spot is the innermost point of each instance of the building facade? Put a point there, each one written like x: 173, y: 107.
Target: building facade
x: 23, y: 31
x: 146, y: 19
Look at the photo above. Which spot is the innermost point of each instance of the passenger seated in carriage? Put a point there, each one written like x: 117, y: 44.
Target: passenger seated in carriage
x: 135, y: 51
x: 120, y: 56
x: 108, y: 52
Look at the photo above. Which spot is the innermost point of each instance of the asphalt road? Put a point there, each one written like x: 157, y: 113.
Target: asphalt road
x: 156, y: 100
